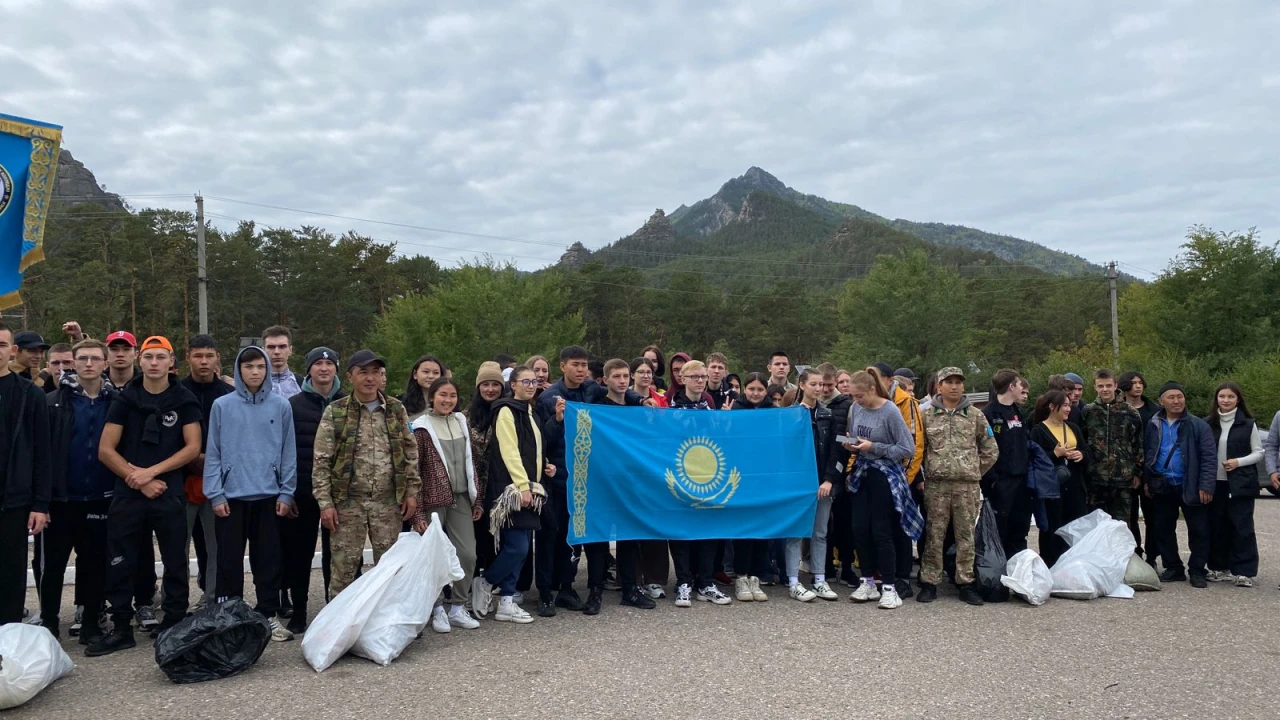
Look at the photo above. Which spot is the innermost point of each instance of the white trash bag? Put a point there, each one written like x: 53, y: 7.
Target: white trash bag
x: 405, y: 609
x: 1028, y: 577
x: 1099, y: 555
x: 30, y: 660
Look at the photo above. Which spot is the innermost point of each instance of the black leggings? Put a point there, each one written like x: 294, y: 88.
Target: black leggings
x: 875, y: 527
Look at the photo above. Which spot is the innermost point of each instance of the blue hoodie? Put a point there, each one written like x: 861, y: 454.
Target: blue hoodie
x: 251, y: 453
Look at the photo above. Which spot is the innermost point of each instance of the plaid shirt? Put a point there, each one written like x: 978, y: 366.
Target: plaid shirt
x: 908, y: 513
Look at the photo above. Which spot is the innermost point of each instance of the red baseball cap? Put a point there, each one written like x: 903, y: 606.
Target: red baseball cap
x: 122, y: 336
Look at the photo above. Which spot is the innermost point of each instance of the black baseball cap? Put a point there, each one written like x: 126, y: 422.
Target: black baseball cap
x: 905, y: 373
x: 30, y: 340
x: 364, y: 357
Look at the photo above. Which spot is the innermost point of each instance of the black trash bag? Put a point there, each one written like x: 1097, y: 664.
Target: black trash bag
x: 988, y: 558
x: 219, y: 641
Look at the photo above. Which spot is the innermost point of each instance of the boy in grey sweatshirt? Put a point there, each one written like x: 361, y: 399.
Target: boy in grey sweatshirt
x: 250, y: 473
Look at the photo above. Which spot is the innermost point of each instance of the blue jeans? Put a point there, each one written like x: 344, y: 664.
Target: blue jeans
x: 505, y: 569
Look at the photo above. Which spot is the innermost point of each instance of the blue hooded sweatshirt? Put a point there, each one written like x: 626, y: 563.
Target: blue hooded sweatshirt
x: 251, y: 453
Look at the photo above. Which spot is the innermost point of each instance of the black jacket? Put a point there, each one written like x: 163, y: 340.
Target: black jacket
x: 308, y: 408
x: 722, y: 394
x: 828, y: 453
x: 1011, y: 428
x: 27, y: 480
x: 205, y: 394
x: 839, y: 407
x: 1243, y: 481
x: 1045, y: 438
x: 62, y: 418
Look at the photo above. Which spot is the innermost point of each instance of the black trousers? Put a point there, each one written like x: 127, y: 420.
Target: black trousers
x: 202, y: 552
x: 13, y: 563
x: 1166, y: 506
x: 598, y: 563
x: 840, y: 536
x: 1071, y: 505
x: 144, y: 579
x: 254, y: 522
x: 874, y: 521
x: 1233, y: 544
x: 131, y: 521
x: 1143, y: 503
x: 694, y: 561
x: 751, y: 558
x: 298, y: 548
x: 556, y: 563
x: 79, y: 526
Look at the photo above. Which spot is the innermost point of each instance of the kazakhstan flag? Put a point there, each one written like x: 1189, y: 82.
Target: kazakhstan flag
x: 28, y: 162
x: 640, y: 473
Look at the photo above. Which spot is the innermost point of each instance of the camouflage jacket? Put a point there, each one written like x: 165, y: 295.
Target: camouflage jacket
x: 351, y: 455
x: 959, y: 445
x: 1113, y: 443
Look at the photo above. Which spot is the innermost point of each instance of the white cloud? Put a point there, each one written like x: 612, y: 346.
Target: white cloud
x: 1084, y: 127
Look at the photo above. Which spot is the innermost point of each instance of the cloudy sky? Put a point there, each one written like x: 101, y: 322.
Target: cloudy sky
x: 1083, y: 127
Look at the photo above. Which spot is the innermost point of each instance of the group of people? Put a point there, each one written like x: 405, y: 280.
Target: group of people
x: 105, y: 447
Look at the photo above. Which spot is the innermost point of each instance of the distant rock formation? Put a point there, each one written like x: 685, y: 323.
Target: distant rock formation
x: 76, y: 185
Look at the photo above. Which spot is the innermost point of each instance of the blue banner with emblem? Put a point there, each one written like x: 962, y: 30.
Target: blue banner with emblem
x: 637, y: 473
x: 28, y: 163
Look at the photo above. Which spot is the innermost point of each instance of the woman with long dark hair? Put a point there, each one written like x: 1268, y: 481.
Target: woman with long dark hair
x: 1062, y: 441
x: 654, y: 355
x: 489, y: 389
x: 426, y: 370
x: 644, y: 375
x: 1233, y: 544
x: 751, y: 557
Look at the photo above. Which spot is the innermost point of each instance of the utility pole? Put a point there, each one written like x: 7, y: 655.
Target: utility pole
x: 202, y: 275
x: 1115, y: 315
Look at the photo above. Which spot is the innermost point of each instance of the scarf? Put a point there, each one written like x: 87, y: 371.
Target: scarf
x: 908, y: 513
x: 503, y: 512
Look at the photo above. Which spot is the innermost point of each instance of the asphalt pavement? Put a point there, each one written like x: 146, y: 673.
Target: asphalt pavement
x: 1176, y: 653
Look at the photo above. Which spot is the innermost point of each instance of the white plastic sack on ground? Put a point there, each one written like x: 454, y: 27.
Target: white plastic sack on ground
x: 1097, y: 560
x: 1028, y: 576
x: 404, y: 610
x: 30, y: 660
x: 337, y: 627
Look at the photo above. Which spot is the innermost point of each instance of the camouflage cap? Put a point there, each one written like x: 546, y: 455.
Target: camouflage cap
x: 947, y: 372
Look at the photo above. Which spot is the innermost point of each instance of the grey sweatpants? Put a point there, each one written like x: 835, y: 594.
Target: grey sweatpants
x: 460, y: 529
x: 817, y: 543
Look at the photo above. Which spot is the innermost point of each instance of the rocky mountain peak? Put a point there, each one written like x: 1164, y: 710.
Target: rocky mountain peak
x: 76, y: 185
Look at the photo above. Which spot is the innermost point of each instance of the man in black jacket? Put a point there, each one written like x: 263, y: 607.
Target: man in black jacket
x: 298, y: 531
x: 1133, y: 386
x: 204, y: 383
x: 1005, y: 484
x: 25, y: 479
x: 82, y: 489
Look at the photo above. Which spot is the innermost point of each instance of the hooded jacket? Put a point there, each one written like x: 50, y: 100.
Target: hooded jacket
x: 206, y: 394
x: 252, y: 452
x: 75, y: 426
x: 959, y: 444
x: 914, y: 418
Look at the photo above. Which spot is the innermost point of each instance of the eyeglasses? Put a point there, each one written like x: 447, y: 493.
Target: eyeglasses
x: 645, y: 373
x: 695, y: 377
x: 528, y: 382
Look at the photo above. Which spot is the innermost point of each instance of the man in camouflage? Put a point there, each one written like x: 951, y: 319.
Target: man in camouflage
x: 365, y: 478
x: 1113, y: 440
x: 959, y: 450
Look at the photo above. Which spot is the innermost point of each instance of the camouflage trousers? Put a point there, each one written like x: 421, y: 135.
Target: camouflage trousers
x: 359, y: 518
x: 1114, y: 501
x: 957, y: 504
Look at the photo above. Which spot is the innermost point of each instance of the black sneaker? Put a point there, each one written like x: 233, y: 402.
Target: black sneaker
x: 594, y: 600
x: 1199, y: 581
x: 90, y: 633
x: 904, y: 589
x: 634, y: 598
x: 928, y: 593
x: 546, y: 605
x: 569, y: 600
x: 1173, y: 575
x: 157, y: 630
x: 119, y: 639
x: 969, y: 594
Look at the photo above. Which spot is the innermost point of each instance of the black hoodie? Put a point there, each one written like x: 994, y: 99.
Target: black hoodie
x: 152, y: 427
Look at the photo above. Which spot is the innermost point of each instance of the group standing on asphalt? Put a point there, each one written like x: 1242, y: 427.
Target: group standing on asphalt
x: 106, y: 452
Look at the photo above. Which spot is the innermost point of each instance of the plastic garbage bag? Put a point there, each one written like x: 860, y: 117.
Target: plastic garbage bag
x: 1095, y: 564
x: 1028, y: 577
x: 1141, y: 576
x: 404, y: 610
x: 221, y: 640
x: 988, y: 559
x: 30, y: 660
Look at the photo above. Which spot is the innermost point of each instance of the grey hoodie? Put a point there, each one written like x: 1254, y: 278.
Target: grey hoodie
x: 252, y: 453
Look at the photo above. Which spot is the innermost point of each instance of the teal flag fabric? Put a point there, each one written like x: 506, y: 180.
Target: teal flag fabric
x: 637, y: 473
x: 28, y: 163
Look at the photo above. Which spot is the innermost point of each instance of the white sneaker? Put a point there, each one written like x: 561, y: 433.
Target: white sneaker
x: 509, y: 611
x: 655, y: 591
x: 889, y: 599
x: 1244, y: 581
x: 683, y: 595
x: 440, y: 620
x: 279, y: 633
x: 824, y: 591
x: 518, y: 598
x: 742, y: 589
x: 459, y: 617
x: 866, y: 592
x: 712, y: 594
x: 801, y: 593
x: 757, y: 595
x: 481, y: 596
x: 1219, y: 576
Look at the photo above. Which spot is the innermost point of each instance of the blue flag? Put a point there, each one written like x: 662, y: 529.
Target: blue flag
x: 28, y: 162
x: 640, y: 473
